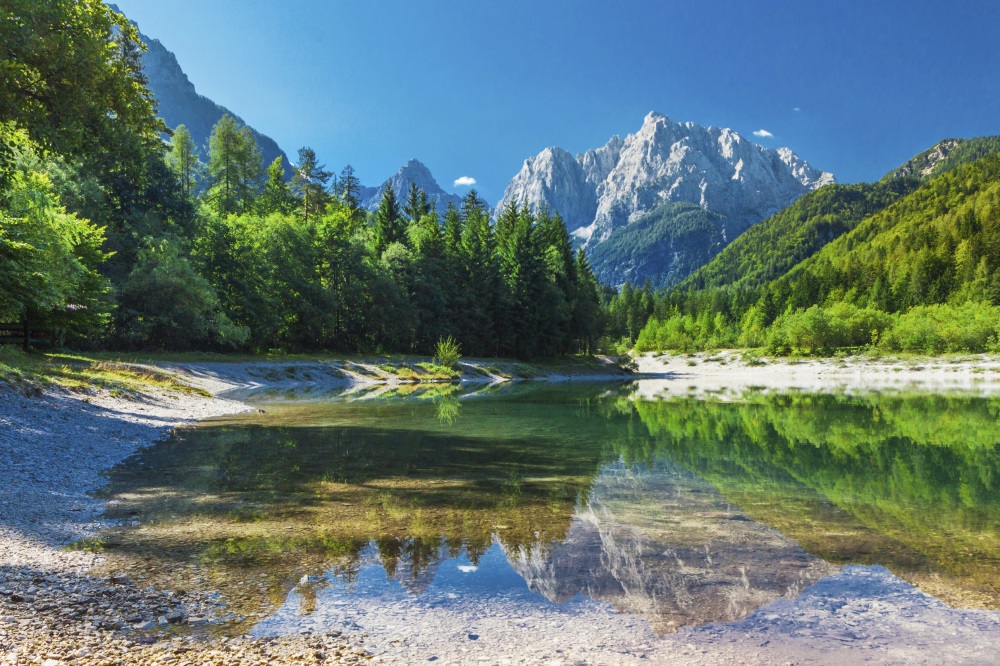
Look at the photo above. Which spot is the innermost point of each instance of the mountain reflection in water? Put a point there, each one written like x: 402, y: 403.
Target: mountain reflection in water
x: 682, y: 511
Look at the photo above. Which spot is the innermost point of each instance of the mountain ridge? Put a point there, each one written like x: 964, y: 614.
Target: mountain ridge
x: 179, y: 102
x: 664, y: 161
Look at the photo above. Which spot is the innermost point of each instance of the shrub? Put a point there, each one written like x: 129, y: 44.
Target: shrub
x: 933, y: 329
x: 446, y: 353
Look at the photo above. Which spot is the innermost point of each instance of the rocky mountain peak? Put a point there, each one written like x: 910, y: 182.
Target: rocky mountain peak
x: 663, y: 162
x: 413, y: 171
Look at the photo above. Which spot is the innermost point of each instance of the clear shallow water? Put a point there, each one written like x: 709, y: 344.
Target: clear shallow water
x: 559, y: 499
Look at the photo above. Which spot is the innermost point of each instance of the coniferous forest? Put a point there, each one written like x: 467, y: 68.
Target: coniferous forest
x: 122, y: 233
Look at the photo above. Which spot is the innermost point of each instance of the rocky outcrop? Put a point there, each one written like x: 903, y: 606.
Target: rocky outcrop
x: 926, y: 163
x: 557, y: 180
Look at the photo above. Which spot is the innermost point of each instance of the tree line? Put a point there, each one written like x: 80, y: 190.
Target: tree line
x: 122, y: 239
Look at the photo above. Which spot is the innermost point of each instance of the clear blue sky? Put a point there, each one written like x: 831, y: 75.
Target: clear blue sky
x: 473, y: 88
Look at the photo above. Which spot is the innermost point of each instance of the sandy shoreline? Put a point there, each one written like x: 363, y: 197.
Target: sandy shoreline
x: 734, y: 372
x: 55, y: 446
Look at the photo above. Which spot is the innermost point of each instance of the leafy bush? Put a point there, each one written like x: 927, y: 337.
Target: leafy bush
x: 446, y: 353
x: 817, y: 330
x: 933, y: 329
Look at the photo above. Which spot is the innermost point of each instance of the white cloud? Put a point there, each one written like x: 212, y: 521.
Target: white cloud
x: 763, y: 134
x: 796, y: 109
x: 465, y: 181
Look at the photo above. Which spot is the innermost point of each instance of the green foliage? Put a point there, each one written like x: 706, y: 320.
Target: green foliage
x: 935, y: 329
x: 663, y: 246
x: 71, y: 75
x: 817, y: 330
x: 446, y: 353
x: 168, y: 305
x: 49, y: 258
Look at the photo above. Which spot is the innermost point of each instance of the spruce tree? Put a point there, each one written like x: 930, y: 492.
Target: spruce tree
x: 390, y: 226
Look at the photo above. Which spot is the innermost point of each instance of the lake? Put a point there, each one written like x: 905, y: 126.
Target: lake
x: 577, y: 507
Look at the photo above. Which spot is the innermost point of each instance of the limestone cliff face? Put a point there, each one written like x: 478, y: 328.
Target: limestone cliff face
x: 664, y: 162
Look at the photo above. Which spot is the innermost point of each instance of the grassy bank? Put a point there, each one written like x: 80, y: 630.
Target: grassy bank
x: 115, y: 371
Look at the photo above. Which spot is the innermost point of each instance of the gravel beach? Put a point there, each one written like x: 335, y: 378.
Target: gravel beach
x: 54, y: 447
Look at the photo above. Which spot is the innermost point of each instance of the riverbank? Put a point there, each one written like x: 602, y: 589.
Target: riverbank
x: 60, y: 428
x: 65, y: 420
x: 735, y: 371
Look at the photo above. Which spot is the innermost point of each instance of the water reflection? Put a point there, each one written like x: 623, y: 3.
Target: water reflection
x: 682, y: 511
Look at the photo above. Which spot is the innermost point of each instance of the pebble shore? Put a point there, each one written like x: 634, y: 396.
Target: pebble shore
x: 54, y: 446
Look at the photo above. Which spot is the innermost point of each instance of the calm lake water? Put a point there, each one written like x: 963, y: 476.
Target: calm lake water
x: 680, y: 511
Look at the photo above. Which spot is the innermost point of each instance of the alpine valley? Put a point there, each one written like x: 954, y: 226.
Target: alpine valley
x: 655, y: 205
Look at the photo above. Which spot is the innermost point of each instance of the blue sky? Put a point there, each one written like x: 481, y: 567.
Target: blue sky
x: 473, y: 88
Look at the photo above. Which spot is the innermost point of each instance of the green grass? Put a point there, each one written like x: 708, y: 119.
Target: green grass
x: 36, y: 371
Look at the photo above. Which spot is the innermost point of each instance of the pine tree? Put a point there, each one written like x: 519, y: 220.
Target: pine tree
x: 390, y: 225
x: 310, y: 180
x: 183, y: 160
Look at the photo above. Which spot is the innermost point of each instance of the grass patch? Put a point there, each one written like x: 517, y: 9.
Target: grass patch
x: 27, y: 371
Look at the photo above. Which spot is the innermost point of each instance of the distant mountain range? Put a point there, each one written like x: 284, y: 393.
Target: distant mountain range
x: 603, y: 192
x: 660, y: 204
x: 413, y: 171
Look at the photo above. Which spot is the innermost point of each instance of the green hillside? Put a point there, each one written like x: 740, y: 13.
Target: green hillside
x: 921, y: 274
x: 769, y: 249
x: 664, y: 245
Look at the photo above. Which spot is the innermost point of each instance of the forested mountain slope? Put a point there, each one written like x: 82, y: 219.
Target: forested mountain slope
x: 178, y: 103
x: 940, y: 242
x: 830, y: 272
x: 662, y: 246
x: 771, y: 248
